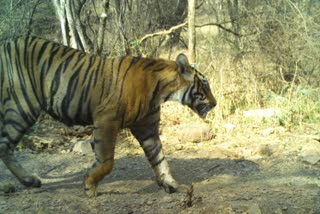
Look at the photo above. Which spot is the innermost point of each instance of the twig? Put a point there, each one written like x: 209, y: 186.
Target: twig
x: 188, y: 200
x: 220, y: 26
x: 185, y: 24
x: 163, y: 33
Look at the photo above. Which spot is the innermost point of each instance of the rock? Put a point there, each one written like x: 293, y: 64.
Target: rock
x: 194, y: 132
x: 254, y: 209
x: 267, y: 131
x: 273, y: 130
x: 310, y: 154
x: 278, y: 211
x: 83, y: 147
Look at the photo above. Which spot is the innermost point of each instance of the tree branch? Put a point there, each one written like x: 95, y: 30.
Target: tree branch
x: 185, y: 24
x: 220, y: 26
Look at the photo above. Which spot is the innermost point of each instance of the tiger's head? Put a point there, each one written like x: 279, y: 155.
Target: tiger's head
x: 195, y: 91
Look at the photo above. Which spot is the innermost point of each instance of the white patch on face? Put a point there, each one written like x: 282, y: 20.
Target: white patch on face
x: 177, y: 96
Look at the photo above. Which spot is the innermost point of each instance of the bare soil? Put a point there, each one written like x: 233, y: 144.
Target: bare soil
x: 246, y: 169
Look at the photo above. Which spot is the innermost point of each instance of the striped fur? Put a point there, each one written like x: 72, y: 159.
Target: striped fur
x: 78, y: 88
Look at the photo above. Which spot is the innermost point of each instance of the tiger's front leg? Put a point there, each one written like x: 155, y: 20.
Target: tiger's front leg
x: 148, y: 136
x: 104, y: 146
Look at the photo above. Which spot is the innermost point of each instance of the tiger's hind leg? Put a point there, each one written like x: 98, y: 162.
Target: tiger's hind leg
x: 12, y: 130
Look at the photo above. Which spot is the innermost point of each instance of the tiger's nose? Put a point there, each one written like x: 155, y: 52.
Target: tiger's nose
x: 213, y: 103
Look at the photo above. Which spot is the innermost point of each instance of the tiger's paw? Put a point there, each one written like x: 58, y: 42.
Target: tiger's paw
x: 175, y: 187
x: 31, y: 181
x: 90, y: 189
x: 170, y: 185
x: 91, y: 192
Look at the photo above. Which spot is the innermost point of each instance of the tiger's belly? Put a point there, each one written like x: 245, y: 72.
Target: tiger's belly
x: 71, y: 112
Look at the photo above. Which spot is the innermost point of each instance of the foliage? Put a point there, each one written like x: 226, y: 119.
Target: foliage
x: 255, y: 53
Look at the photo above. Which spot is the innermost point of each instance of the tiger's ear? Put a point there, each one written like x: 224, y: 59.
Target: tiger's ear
x: 184, y: 67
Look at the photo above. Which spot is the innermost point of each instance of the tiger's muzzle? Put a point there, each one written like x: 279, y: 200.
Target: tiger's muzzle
x: 204, y: 108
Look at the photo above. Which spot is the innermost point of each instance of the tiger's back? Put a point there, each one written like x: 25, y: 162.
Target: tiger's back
x: 70, y: 84
x: 79, y: 88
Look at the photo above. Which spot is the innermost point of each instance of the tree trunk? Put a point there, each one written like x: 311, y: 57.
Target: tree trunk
x: 61, y: 13
x: 102, y: 27
x: 192, y: 31
x: 73, y: 32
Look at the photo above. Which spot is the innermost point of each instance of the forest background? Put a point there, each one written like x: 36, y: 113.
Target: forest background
x: 257, y: 54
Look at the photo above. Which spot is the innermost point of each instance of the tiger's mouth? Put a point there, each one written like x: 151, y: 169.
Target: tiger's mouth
x: 203, y: 109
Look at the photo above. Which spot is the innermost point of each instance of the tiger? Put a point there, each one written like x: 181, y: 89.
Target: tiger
x: 111, y: 94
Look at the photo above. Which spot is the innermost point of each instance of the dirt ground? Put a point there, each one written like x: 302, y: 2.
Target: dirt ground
x: 247, y: 169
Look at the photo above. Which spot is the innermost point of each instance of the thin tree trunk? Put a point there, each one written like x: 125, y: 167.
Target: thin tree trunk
x: 73, y: 33
x: 192, y: 31
x: 102, y: 27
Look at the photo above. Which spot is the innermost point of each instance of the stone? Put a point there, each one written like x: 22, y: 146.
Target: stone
x: 254, y: 209
x: 311, y: 154
x: 194, y: 132
x: 83, y: 147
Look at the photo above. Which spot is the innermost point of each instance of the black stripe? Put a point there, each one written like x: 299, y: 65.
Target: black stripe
x: 88, y: 87
x: 155, y: 93
x: 168, y: 96
x: 185, y: 95
x: 158, y: 162
x: 110, y: 78
x: 153, y: 111
x: 78, y: 115
x: 68, y: 60
x: 136, y: 59
x: 150, y: 148
x: 54, y: 87
x: 133, y: 61
x: 25, y: 91
x: 161, y: 68
x: 102, y: 89
x: 18, y: 127
x: 150, y: 64
x: 53, y: 52
x: 89, y: 118
x: 146, y: 137
x: 11, y: 140
x: 96, y: 72
x: 42, y: 50
x: 154, y: 153
x: 9, y: 49
x: 32, y: 77
x: 138, y: 113
x: 85, y: 71
x: 2, y: 77
x: 119, y: 68
x: 70, y: 94
x: 101, y: 76
x: 21, y: 111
